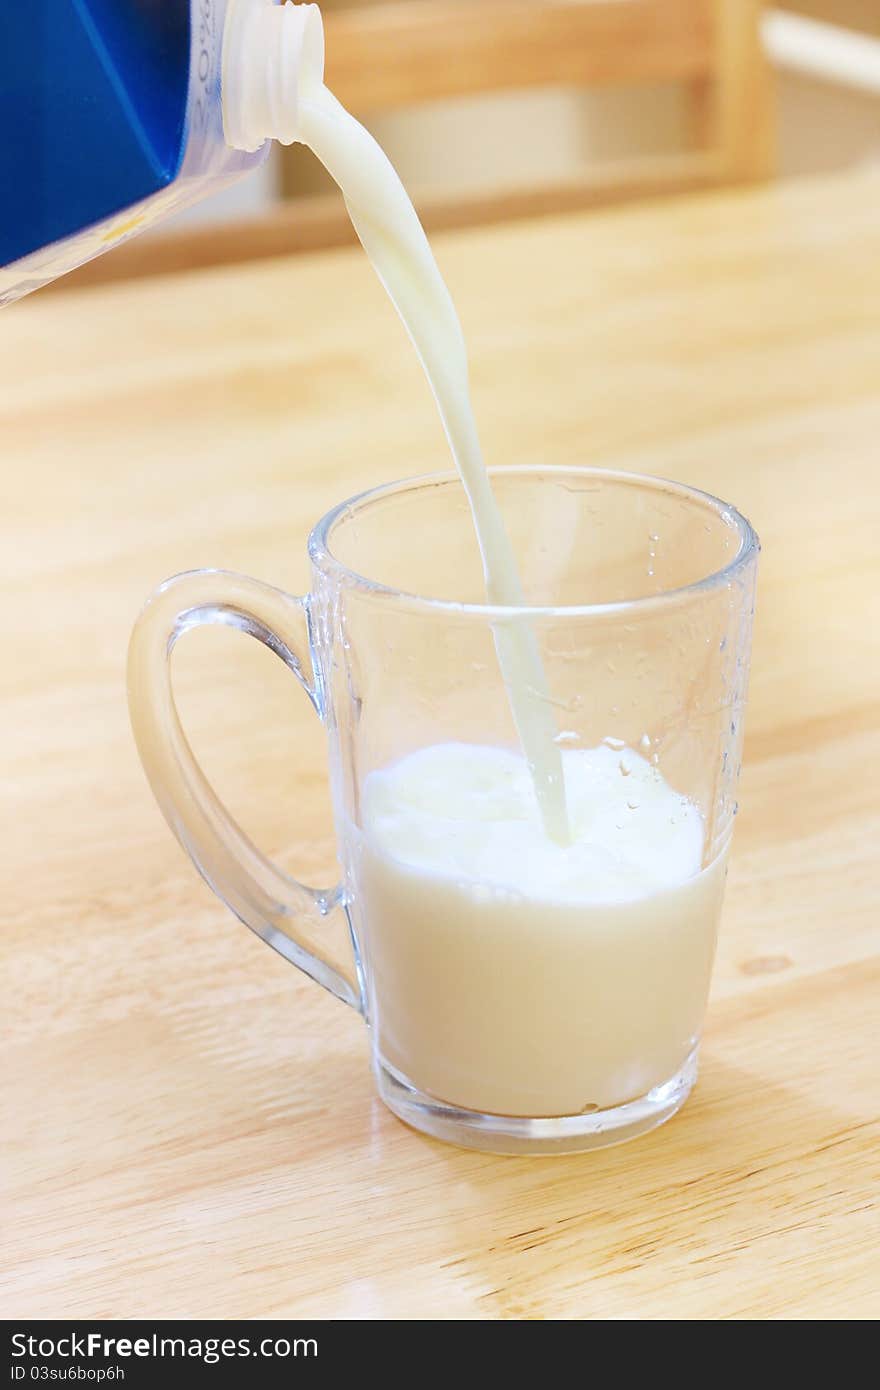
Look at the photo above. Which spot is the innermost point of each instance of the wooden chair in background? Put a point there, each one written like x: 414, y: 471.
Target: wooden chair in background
x: 387, y: 56
x: 402, y: 53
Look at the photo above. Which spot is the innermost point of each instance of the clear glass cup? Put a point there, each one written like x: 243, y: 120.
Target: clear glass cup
x: 497, y: 1022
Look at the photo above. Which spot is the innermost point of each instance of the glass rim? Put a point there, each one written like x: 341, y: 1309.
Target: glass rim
x: 321, y: 554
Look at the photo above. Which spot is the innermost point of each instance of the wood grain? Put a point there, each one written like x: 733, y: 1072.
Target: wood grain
x: 383, y: 56
x: 190, y: 1125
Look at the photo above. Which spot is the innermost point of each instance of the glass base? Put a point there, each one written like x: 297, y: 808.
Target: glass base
x: 513, y: 1134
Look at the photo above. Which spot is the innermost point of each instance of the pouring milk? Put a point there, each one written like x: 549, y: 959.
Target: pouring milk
x: 392, y: 236
x: 540, y: 924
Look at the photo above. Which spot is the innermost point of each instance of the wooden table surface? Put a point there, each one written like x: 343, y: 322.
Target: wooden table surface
x: 190, y: 1125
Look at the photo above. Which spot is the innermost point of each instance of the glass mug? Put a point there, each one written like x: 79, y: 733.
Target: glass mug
x: 501, y: 1018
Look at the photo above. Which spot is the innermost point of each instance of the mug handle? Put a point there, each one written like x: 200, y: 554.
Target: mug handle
x: 286, y: 914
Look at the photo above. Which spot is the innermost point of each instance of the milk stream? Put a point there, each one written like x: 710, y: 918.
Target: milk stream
x: 393, y: 237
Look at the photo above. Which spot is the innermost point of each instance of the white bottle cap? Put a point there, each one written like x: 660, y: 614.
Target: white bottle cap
x: 272, y: 56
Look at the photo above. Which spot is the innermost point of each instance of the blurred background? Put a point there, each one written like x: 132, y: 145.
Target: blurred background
x: 501, y: 108
x: 551, y: 134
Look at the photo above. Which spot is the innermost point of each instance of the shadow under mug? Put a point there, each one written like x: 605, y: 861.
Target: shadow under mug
x: 497, y: 1022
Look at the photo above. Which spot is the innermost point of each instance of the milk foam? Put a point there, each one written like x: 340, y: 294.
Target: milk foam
x: 468, y: 813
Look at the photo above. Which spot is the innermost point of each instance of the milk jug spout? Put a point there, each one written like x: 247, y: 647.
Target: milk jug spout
x: 273, y: 58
